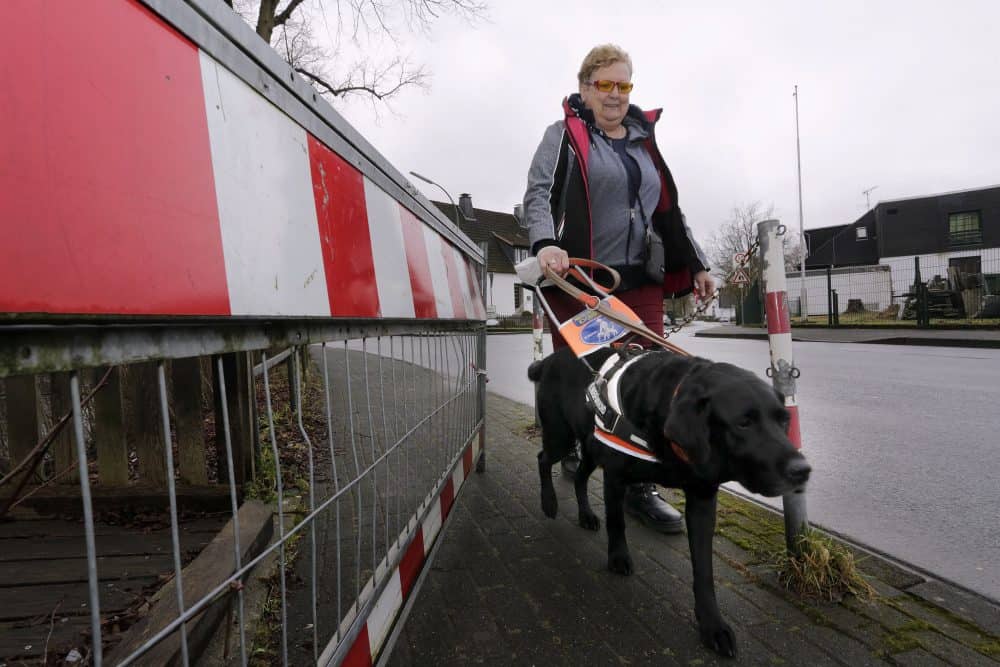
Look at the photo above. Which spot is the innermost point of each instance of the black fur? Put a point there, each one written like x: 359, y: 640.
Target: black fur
x: 729, y: 423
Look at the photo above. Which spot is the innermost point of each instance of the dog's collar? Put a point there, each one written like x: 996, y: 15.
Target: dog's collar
x: 611, y: 427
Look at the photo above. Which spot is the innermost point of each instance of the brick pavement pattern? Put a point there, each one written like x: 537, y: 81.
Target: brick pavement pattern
x: 510, y: 587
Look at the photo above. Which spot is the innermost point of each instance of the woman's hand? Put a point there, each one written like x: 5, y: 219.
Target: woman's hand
x: 704, y: 285
x: 554, y: 258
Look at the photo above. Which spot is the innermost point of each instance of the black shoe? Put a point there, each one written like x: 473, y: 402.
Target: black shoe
x: 643, y: 502
x: 570, y: 463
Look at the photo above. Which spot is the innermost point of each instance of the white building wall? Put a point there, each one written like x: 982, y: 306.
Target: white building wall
x: 500, y: 294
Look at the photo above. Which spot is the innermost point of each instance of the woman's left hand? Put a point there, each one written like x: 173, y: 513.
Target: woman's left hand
x: 704, y: 285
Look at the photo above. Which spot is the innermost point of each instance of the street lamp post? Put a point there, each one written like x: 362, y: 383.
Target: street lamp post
x: 803, y: 306
x: 441, y: 187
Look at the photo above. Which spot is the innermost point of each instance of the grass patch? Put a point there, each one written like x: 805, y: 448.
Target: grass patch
x: 821, y: 569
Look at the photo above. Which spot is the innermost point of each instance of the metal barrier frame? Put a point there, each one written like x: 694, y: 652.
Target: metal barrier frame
x: 28, y: 349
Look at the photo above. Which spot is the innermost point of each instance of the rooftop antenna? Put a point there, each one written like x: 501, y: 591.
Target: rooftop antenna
x: 867, y: 193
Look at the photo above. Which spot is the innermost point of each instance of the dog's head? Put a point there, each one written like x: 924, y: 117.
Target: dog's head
x: 732, y: 426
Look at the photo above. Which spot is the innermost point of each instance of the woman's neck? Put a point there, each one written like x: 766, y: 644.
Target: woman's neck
x: 616, y: 132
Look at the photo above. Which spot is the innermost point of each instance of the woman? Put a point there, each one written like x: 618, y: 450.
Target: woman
x: 596, y: 183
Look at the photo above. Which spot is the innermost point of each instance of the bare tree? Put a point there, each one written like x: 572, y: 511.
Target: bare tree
x: 736, y: 236
x: 793, y: 253
x: 370, y: 28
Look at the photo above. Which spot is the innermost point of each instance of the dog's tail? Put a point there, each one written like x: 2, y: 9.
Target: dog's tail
x: 535, y: 370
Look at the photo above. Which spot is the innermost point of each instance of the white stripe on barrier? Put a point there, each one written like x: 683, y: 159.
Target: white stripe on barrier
x: 382, y: 614
x: 781, y: 345
x: 432, y: 524
x: 267, y: 211
x: 458, y: 477
x: 388, y: 253
x: 439, y: 275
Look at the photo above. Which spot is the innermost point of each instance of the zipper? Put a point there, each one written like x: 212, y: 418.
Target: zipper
x: 628, y: 239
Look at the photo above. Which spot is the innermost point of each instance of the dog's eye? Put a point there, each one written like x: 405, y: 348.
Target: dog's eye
x: 746, y: 422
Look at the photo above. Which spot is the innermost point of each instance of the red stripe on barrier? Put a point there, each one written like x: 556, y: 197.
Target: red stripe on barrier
x: 412, y: 563
x: 793, y: 427
x: 776, y: 308
x: 419, y: 266
x: 360, y: 654
x: 339, y: 190
x: 452, y: 264
x: 467, y: 461
x: 447, y: 497
x: 108, y: 201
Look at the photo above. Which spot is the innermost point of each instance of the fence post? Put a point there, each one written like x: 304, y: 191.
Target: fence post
x: 236, y: 398
x: 145, y: 431
x: 481, y: 365
x: 782, y: 370
x: 23, y: 417
x: 829, y: 296
x: 186, y: 376
x: 109, y: 432
x: 64, y: 453
x: 836, y: 308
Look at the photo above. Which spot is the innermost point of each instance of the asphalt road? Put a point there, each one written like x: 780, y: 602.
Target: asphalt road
x: 903, y: 442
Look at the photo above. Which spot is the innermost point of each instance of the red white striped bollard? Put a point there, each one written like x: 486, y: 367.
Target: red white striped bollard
x: 782, y: 370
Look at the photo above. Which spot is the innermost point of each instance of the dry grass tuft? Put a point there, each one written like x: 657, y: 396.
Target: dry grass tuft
x: 821, y: 569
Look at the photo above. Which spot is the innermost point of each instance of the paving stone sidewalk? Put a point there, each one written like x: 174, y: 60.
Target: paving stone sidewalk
x: 510, y: 587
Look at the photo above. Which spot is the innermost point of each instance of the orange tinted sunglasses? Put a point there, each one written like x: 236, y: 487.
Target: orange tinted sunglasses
x: 606, y: 86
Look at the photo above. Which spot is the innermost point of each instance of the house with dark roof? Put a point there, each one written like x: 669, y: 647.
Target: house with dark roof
x: 948, y: 233
x: 506, y: 245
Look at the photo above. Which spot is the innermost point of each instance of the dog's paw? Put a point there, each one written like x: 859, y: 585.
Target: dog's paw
x: 719, y: 637
x: 620, y: 562
x: 590, y: 521
x: 550, y: 505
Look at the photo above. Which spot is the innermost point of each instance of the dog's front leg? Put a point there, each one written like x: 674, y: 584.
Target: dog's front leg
x: 614, y: 518
x: 699, y: 513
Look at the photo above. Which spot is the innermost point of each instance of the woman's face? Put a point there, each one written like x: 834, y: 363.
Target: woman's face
x: 609, y: 108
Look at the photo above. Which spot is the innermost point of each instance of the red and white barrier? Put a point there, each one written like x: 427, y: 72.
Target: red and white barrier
x: 141, y: 177
x: 371, y: 640
x: 782, y: 371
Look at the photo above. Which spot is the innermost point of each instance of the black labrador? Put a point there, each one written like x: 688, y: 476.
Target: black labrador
x: 708, y: 423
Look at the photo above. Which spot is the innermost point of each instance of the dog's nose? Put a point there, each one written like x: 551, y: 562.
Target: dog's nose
x: 797, y: 470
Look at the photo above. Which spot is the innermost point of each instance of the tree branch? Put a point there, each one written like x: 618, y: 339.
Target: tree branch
x: 281, y: 18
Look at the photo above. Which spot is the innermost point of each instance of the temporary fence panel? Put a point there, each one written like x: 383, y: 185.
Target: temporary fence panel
x: 962, y: 288
x: 868, y: 285
x: 179, y: 208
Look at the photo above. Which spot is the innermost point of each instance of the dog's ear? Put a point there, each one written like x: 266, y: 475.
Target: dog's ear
x: 687, y: 422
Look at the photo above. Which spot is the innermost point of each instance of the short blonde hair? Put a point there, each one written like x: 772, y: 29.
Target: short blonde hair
x: 600, y: 56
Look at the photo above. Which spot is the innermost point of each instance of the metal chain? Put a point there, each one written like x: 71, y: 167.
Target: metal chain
x: 700, y: 310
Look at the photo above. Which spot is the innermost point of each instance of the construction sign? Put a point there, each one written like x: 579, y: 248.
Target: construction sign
x: 740, y: 277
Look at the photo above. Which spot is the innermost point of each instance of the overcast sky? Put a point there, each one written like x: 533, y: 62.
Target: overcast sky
x: 903, y: 95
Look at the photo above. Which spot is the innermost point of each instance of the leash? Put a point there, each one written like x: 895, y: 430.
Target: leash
x: 602, y: 303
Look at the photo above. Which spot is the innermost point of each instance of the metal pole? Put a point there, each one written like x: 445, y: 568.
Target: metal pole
x: 481, y: 366
x: 441, y: 187
x: 782, y: 371
x: 537, y: 327
x: 803, y: 306
x: 829, y: 296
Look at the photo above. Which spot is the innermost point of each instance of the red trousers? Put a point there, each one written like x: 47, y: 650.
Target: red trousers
x: 646, y: 301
